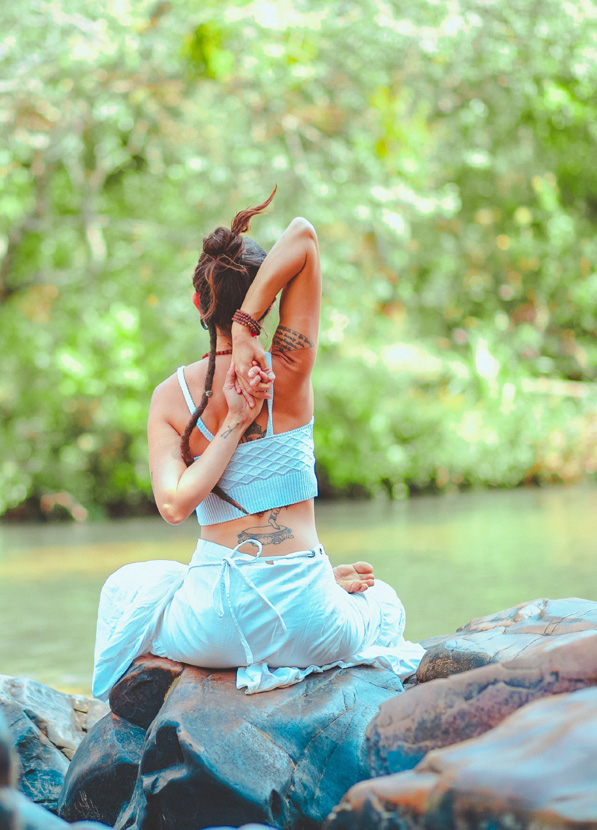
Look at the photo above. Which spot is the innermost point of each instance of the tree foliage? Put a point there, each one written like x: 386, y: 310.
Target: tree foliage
x: 444, y: 151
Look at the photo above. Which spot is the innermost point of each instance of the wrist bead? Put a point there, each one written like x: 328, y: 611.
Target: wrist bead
x: 246, y: 320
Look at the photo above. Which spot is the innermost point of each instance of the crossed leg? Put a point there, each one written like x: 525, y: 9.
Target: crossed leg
x: 354, y: 578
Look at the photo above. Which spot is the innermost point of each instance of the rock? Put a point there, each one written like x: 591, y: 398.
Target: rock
x: 537, y: 769
x: 51, y: 711
x: 87, y: 713
x: 8, y: 779
x: 8, y: 761
x: 504, y: 635
x: 8, y: 812
x: 103, y: 772
x: 140, y: 693
x: 32, y: 816
x: 16, y: 811
x: 46, y: 726
x: 445, y: 711
x: 62, y: 718
x: 42, y: 766
x: 214, y: 756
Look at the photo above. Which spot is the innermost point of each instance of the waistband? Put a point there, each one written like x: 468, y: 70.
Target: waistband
x: 212, y: 553
x: 223, y: 593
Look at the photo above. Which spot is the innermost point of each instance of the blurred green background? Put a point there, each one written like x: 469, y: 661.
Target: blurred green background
x: 443, y: 149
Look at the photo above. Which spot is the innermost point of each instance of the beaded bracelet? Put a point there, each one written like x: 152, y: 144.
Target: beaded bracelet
x: 246, y: 320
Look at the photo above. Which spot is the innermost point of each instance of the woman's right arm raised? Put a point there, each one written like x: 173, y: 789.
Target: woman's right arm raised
x: 291, y: 267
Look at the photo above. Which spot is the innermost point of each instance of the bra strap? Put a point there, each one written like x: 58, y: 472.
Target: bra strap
x: 270, y: 402
x: 185, y: 389
x: 190, y: 402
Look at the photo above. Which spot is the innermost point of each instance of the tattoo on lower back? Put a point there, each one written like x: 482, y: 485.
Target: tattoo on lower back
x: 253, y: 432
x: 287, y: 340
x: 270, y: 534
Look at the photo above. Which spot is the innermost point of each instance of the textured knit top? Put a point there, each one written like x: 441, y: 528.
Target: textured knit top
x: 273, y: 471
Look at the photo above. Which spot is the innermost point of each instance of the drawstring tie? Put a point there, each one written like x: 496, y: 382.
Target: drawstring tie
x: 221, y: 593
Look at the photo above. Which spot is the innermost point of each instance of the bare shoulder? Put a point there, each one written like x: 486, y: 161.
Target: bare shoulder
x: 164, y: 393
x: 169, y: 391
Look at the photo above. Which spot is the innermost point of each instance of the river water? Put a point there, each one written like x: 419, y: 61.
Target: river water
x: 450, y: 558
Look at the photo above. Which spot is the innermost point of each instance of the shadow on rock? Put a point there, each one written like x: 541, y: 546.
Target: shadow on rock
x: 215, y: 756
x: 537, y: 769
x: 445, y: 711
x: 16, y: 811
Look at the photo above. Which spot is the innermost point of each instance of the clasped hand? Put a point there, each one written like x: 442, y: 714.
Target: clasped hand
x: 253, y: 377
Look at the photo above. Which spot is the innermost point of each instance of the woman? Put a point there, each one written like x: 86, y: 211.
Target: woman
x: 259, y: 592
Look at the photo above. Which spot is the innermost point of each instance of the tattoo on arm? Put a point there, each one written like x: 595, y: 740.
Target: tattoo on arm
x: 271, y: 533
x: 229, y: 429
x: 287, y: 340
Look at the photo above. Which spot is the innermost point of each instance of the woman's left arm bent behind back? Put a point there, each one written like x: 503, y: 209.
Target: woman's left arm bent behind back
x: 178, y: 489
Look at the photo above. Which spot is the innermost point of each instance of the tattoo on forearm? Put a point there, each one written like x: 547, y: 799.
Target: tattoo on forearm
x: 270, y: 534
x: 252, y: 433
x: 229, y: 429
x: 287, y: 340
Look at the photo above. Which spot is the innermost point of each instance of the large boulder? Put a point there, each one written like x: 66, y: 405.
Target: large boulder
x: 215, y: 756
x: 446, y: 711
x: 139, y: 694
x: 8, y: 779
x: 8, y: 762
x: 46, y: 727
x: 102, y: 775
x: 62, y: 718
x: 537, y: 770
x: 16, y: 811
x: 42, y: 766
x: 505, y: 635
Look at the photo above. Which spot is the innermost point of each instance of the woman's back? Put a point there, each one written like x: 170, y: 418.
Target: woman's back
x: 271, y: 471
x: 292, y: 401
x: 282, y: 467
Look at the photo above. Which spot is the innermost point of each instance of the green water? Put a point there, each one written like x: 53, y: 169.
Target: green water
x: 450, y: 559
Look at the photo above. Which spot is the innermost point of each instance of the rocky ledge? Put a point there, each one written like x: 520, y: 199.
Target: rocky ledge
x: 46, y: 728
x: 537, y: 770
x: 498, y: 746
x: 184, y: 746
x: 497, y: 730
x: 17, y: 812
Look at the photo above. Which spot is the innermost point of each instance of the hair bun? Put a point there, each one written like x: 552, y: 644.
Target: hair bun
x: 219, y: 242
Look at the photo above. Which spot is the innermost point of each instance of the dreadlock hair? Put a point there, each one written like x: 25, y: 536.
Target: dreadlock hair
x: 226, y: 268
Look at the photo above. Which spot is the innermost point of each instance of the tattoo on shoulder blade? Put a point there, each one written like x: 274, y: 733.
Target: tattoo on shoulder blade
x: 287, y: 340
x: 252, y: 433
x: 270, y: 534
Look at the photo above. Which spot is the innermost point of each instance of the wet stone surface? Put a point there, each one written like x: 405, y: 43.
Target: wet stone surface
x: 214, y: 756
x: 537, y: 770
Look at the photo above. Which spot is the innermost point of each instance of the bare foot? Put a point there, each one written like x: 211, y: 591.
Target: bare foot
x: 354, y: 578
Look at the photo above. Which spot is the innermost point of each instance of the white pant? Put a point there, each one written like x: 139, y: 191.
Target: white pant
x: 277, y: 618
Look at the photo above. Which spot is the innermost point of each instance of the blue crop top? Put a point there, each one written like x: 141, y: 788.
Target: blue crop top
x: 269, y: 472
